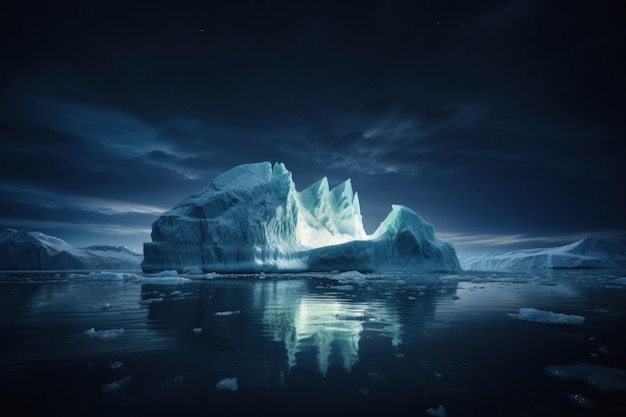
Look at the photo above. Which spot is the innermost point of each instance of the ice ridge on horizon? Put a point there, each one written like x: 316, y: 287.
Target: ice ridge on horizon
x: 20, y: 250
x: 251, y: 219
x: 589, y: 253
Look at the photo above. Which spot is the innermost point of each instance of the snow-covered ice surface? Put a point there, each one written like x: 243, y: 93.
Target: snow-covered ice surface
x: 252, y: 219
x: 591, y: 252
x: 21, y: 250
x: 315, y: 343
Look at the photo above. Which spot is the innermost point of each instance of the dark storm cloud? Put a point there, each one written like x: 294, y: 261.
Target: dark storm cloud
x: 490, y: 118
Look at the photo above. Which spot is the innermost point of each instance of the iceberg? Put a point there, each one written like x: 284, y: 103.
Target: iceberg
x: 35, y: 250
x: 589, y: 253
x: 252, y: 219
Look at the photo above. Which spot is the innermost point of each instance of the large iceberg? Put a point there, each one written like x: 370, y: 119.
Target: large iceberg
x: 252, y: 219
x: 588, y: 253
x: 35, y: 250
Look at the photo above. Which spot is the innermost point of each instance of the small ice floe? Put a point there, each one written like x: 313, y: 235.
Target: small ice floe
x: 439, y: 411
x: 600, y: 377
x: 197, y: 330
x: 104, y: 334
x: 437, y: 375
x: 227, y: 313
x: 106, y: 276
x: 350, y: 277
x: 176, y: 294
x: 116, y: 365
x: 116, y: 385
x: 174, y: 279
x: 227, y: 384
x: 105, y: 306
x: 550, y: 317
x: 580, y: 401
x: 604, y: 350
x: 151, y: 300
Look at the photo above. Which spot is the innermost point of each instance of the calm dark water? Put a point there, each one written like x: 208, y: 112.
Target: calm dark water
x: 303, y: 344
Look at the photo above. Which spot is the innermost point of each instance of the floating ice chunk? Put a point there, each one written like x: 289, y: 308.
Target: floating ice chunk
x: 439, y: 411
x: 116, y: 385
x: 619, y: 281
x: 151, y: 301
x: 197, y: 330
x: 437, y: 375
x: 105, y: 276
x: 104, y: 334
x: 116, y: 365
x: 210, y: 275
x: 581, y: 401
x: 227, y: 384
x: 542, y: 316
x: 175, y: 279
x: 176, y: 294
x: 350, y: 277
x: 601, y: 377
x: 227, y: 313
x: 105, y: 306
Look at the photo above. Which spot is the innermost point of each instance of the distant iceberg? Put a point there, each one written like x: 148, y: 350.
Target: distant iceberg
x: 252, y: 219
x: 588, y: 253
x: 35, y: 250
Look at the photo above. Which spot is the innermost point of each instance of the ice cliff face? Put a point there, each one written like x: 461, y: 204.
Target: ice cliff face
x: 36, y: 250
x: 251, y: 218
x: 591, y: 252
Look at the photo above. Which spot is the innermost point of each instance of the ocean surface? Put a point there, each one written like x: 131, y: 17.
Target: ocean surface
x: 327, y: 344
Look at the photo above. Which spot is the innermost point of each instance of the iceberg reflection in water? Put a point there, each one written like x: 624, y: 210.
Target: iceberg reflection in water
x: 278, y: 343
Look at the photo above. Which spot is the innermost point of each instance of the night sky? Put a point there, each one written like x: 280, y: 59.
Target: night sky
x: 500, y: 122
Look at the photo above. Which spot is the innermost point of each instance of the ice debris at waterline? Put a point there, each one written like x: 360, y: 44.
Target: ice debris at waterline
x: 252, y: 219
x: 550, y: 317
